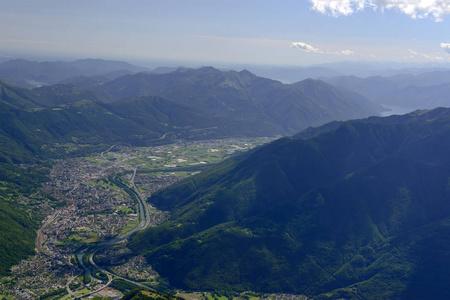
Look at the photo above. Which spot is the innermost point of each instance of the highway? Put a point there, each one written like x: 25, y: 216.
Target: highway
x: 144, y: 216
x: 40, y: 239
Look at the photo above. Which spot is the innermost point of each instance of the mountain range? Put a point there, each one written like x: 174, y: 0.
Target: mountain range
x: 423, y: 91
x: 29, y: 74
x: 187, y: 103
x: 243, y: 97
x: 355, y: 210
x: 362, y: 69
x: 65, y: 119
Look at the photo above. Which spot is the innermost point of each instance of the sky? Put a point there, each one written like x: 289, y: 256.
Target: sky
x: 275, y: 32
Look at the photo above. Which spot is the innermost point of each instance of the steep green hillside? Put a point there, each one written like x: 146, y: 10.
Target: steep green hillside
x: 16, y: 96
x: 59, y: 94
x: 361, y: 210
x: 34, y: 132
x: 32, y: 124
x: 161, y: 113
x: 17, y: 226
x: 17, y: 235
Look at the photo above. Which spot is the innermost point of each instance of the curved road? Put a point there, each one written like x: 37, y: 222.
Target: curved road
x: 92, y: 262
x: 190, y: 130
x: 144, y: 216
x: 40, y: 238
x: 101, y: 154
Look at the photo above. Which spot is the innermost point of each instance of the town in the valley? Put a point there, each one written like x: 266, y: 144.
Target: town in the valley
x: 94, y: 203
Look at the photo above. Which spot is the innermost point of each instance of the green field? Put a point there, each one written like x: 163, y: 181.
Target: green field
x: 103, y: 183
x: 176, y: 156
x: 130, y: 225
x: 124, y: 209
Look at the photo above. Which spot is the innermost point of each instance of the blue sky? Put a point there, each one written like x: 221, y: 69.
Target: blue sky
x: 283, y: 32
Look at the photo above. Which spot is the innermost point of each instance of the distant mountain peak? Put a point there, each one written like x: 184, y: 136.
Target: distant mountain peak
x: 246, y: 73
x: 208, y: 69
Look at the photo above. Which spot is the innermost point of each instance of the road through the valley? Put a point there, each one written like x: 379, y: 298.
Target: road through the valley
x: 144, y: 216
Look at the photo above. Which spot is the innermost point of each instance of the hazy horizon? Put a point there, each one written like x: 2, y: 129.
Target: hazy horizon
x: 287, y: 32
x: 155, y: 63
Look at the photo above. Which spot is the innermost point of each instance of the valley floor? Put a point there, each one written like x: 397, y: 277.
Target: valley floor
x: 94, y: 203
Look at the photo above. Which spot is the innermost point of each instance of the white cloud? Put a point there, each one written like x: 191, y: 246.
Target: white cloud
x: 347, y: 52
x: 311, y: 49
x: 413, y: 54
x: 446, y: 47
x: 337, y: 7
x: 414, y: 8
x: 305, y: 47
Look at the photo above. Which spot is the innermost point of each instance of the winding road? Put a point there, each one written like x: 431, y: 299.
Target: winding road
x: 40, y: 239
x: 190, y: 130
x: 144, y: 216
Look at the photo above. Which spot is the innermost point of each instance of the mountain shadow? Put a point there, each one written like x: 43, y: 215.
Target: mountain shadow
x: 358, y: 209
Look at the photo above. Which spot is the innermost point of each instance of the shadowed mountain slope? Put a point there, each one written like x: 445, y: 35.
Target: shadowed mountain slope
x: 360, y: 210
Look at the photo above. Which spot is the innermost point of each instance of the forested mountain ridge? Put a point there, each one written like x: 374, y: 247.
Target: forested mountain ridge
x: 18, y: 225
x: 360, y: 210
x: 17, y: 236
x: 34, y: 132
x: 246, y: 98
x: 144, y: 107
x: 33, y: 121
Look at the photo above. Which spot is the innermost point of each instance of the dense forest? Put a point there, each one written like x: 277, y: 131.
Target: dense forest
x: 358, y: 210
